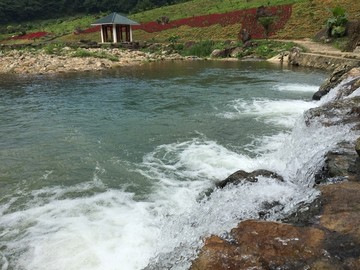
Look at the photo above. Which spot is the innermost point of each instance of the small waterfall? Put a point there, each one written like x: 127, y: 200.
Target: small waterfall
x: 298, y: 159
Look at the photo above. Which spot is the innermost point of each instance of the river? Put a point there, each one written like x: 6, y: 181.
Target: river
x: 108, y: 170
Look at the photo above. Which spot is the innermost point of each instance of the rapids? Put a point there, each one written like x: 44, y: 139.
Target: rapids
x: 108, y: 170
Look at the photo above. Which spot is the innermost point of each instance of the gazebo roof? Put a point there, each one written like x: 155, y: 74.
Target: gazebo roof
x: 115, y: 18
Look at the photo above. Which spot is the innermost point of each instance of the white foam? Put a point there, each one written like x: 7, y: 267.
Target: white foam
x: 354, y: 94
x: 62, y: 228
x: 219, y: 214
x: 109, y: 229
x: 277, y: 112
x: 297, y: 87
x: 97, y: 232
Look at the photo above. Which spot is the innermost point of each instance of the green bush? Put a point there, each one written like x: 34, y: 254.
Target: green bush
x: 82, y: 53
x: 53, y: 49
x: 336, y: 25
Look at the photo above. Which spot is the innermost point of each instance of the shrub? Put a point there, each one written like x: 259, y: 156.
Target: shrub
x: 51, y: 49
x: 336, y: 25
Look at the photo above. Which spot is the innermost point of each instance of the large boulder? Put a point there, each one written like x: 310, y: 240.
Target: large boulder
x: 221, y: 53
x: 262, y: 245
x: 332, y: 242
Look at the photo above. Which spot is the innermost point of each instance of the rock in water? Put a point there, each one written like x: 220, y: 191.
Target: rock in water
x: 357, y: 146
x: 242, y: 176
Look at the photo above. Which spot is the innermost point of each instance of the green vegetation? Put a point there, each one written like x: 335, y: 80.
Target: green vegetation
x: 102, y: 54
x: 53, y: 48
x: 61, y: 26
x: 337, y: 23
x: 200, y: 49
x: 308, y: 18
x: 23, y: 10
x: 266, y: 22
x: 267, y: 49
x: 205, y: 7
x: 262, y: 48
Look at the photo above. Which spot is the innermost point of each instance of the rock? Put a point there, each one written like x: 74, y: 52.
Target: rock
x: 244, y: 35
x: 357, y: 146
x: 357, y: 49
x: 331, y: 242
x: 305, y: 214
x: 262, y: 245
x: 340, y: 212
x: 218, y: 54
x: 319, y: 94
x: 293, y: 55
x: 326, y: 234
x: 338, y: 112
x: 335, y: 78
x: 236, y: 51
x: 242, y: 176
x: 38, y: 62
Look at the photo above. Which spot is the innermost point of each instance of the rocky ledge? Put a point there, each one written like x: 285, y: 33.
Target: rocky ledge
x: 322, y: 235
x: 60, y: 60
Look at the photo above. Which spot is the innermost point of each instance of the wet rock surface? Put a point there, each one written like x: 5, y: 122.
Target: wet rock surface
x: 324, y: 234
x: 243, y: 176
x: 340, y: 74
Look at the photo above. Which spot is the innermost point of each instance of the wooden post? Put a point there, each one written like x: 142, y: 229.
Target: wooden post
x: 131, y: 36
x: 127, y: 33
x: 102, y: 34
x: 114, y: 33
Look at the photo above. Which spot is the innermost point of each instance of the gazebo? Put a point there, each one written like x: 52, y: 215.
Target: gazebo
x: 114, y: 26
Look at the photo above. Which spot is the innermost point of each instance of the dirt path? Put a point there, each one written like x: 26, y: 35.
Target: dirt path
x: 324, y: 49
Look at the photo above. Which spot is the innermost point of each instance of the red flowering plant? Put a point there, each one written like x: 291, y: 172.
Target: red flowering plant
x: 247, y: 18
x: 31, y: 35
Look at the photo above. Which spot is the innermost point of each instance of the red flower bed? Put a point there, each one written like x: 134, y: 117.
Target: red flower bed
x: 90, y: 30
x: 247, y: 18
x: 32, y: 35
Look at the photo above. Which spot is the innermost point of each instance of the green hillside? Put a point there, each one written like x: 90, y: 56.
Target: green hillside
x: 307, y: 18
x: 205, y: 7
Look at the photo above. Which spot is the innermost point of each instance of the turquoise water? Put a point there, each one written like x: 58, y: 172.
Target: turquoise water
x: 95, y: 166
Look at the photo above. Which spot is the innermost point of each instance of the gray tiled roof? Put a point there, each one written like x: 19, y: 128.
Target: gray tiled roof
x: 115, y: 18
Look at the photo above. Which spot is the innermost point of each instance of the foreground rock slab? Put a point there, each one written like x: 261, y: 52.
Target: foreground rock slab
x: 262, y: 245
x: 333, y: 242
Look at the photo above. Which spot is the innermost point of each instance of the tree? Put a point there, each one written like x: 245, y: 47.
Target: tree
x: 267, y: 22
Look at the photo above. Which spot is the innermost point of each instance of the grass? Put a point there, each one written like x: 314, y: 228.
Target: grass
x: 308, y: 17
x: 267, y: 48
x: 187, y: 33
x: 204, y: 7
x: 101, y: 54
x: 264, y: 48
